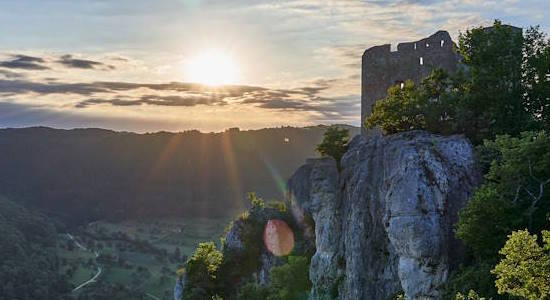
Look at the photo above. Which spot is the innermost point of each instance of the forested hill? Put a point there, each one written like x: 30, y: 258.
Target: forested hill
x: 84, y: 174
x: 29, y: 265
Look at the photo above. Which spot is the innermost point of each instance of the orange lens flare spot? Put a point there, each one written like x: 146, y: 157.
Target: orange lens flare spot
x: 278, y: 237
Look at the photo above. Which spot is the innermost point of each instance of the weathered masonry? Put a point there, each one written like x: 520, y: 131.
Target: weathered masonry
x: 382, y: 68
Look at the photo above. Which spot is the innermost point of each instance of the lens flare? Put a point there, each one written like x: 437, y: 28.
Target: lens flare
x: 278, y: 237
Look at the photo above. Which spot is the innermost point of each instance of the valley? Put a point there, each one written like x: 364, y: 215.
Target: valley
x: 139, y: 257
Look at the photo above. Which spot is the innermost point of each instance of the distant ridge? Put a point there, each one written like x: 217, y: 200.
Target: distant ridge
x: 85, y: 174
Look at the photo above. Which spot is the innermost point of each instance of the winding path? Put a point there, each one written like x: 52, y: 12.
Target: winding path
x: 92, y: 280
x: 99, y: 270
x: 76, y: 242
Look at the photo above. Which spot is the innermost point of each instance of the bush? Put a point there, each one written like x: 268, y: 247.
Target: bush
x: 201, y: 272
x: 525, y: 269
x: 288, y: 282
x: 335, y: 143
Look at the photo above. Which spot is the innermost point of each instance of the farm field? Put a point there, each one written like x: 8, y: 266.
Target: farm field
x: 135, y: 259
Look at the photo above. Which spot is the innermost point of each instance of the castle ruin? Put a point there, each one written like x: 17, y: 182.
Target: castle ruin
x: 382, y: 68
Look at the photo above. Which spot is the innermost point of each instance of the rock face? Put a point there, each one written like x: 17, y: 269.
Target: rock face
x: 384, y: 224
x: 178, y: 288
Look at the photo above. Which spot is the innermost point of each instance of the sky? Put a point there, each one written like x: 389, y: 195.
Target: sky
x: 147, y: 66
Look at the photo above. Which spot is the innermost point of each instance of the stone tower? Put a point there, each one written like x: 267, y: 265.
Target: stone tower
x: 382, y: 68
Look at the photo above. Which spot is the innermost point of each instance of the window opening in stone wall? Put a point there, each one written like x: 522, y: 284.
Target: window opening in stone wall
x: 442, y: 43
x: 427, y: 45
x: 414, y: 46
x: 400, y: 83
x: 421, y: 60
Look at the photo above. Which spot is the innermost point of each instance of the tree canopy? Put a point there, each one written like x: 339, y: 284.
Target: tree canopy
x: 502, y: 87
x: 524, y: 270
x: 335, y: 142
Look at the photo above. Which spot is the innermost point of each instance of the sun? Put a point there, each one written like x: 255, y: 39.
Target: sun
x: 212, y: 67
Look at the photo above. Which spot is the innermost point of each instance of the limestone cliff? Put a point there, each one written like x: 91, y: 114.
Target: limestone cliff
x: 384, y: 222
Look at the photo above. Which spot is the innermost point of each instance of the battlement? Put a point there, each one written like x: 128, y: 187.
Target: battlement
x: 437, y: 42
x: 382, y: 67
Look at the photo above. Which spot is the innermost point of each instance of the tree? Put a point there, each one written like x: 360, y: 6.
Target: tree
x: 335, y: 143
x: 291, y: 280
x: 400, y: 111
x: 525, y: 269
x: 501, y: 87
x: 494, y: 58
x: 536, y: 76
x: 514, y: 196
x: 201, y: 272
x: 472, y: 295
x: 288, y: 282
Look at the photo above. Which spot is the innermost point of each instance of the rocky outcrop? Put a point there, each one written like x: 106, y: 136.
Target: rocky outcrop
x: 178, y: 288
x: 315, y: 193
x: 384, y: 223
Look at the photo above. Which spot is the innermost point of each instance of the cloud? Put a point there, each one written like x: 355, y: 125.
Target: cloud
x: 25, y: 86
x: 43, y: 88
x: 10, y: 74
x: 307, y: 98
x: 25, y: 62
x: 281, y: 104
x: 69, y: 61
x: 172, y: 100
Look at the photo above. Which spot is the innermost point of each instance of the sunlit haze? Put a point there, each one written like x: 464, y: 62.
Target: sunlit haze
x: 210, y: 65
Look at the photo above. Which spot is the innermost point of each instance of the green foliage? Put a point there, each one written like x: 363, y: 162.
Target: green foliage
x: 103, y: 290
x: 525, y: 269
x: 494, y: 98
x: 291, y: 280
x: 472, y: 295
x: 400, y: 111
x: 255, y: 201
x: 288, y: 282
x: 512, y: 196
x: 335, y: 143
x: 485, y: 221
x: 536, y: 75
x: 28, y: 262
x: 254, y: 291
x: 501, y: 91
x: 201, y: 272
x: 278, y: 205
x: 475, y: 277
x: 238, y: 265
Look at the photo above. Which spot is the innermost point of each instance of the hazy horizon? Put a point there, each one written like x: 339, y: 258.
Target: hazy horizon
x: 174, y: 131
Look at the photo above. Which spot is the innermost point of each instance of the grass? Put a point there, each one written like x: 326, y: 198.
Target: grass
x: 139, y: 245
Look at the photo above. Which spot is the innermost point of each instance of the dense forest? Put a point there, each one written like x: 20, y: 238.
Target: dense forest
x: 84, y: 174
x: 29, y: 266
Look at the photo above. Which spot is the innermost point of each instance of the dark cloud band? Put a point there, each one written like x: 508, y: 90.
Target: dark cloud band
x: 24, y: 62
x: 71, y: 62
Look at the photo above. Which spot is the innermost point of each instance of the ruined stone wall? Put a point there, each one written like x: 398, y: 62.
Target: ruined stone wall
x: 382, y: 68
